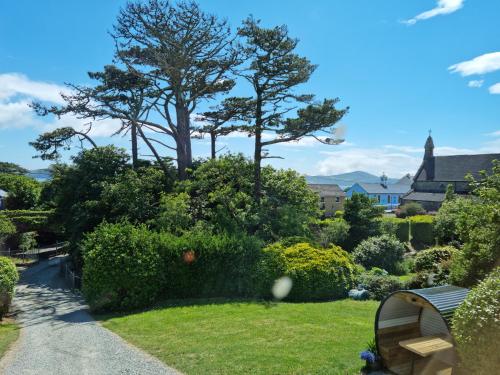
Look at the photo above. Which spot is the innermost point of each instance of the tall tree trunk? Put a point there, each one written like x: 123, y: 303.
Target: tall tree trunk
x: 213, y: 139
x: 133, y: 135
x: 183, y: 142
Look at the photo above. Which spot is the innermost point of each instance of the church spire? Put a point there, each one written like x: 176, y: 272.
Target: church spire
x: 429, y: 147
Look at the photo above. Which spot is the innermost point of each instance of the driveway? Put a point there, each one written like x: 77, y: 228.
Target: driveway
x: 58, y: 335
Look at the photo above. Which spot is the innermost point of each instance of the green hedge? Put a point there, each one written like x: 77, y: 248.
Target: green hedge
x: 316, y: 273
x: 8, y: 280
x: 422, y: 230
x: 28, y: 220
x: 127, y: 267
x: 122, y: 267
x: 396, y: 226
x: 200, y: 264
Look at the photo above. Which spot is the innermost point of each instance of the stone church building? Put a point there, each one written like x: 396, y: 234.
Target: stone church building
x: 437, y: 172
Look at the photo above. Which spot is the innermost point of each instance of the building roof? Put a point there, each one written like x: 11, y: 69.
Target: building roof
x: 425, y: 197
x: 328, y: 190
x: 444, y: 298
x: 456, y: 167
x: 407, y: 179
x: 3, y: 193
x: 385, y: 189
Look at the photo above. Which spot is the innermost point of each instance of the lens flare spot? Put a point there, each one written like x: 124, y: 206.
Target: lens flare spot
x: 282, y: 287
x: 189, y: 256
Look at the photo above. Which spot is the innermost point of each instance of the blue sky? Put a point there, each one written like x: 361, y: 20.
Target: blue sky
x: 403, y: 67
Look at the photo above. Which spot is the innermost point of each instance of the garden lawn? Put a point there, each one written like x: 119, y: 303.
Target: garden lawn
x: 220, y: 337
x: 8, y: 334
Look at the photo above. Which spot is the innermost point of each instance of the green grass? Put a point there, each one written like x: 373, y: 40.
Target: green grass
x: 406, y: 277
x: 8, y: 334
x: 252, y: 338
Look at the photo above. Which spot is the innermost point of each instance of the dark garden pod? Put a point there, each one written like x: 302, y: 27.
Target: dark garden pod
x: 413, y: 330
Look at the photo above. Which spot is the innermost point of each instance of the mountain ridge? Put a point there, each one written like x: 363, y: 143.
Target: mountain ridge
x: 348, y: 179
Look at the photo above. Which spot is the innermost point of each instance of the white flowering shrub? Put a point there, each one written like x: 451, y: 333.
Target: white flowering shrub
x: 476, y: 327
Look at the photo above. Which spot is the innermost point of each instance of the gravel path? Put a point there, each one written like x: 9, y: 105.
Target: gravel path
x: 58, y: 335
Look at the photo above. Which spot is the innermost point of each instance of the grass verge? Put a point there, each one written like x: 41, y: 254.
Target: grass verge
x: 9, y: 333
x: 221, y: 337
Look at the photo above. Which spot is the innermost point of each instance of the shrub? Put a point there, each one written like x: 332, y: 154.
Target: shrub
x: 316, y: 273
x: 201, y: 264
x: 450, y: 221
x: 480, y: 254
x: 379, y: 285
x: 422, y: 231
x: 122, y: 267
x: 174, y: 213
x: 383, y: 251
x: 396, y: 227
x: 333, y: 231
x: 410, y: 209
x: 8, y: 280
x: 476, y: 329
x: 27, y: 241
x: 6, y: 228
x: 431, y: 259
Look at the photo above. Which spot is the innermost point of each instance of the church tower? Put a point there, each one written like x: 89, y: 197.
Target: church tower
x: 429, y: 147
x: 429, y: 158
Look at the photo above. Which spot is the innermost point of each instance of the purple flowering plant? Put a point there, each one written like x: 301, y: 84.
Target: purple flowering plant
x: 368, y: 356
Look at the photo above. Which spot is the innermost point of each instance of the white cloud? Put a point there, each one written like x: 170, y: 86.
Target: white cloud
x: 495, y: 89
x: 487, y: 63
x: 494, y: 134
x: 17, y: 91
x: 475, y: 83
x: 442, y: 7
x: 15, y: 85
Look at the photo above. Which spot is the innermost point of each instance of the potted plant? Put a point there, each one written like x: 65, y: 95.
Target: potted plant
x: 371, y: 357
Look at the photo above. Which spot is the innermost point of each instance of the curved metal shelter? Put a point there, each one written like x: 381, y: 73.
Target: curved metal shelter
x: 413, y: 330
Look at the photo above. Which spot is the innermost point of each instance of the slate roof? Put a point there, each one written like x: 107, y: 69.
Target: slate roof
x: 425, y: 197
x: 456, y: 167
x: 407, y: 179
x: 328, y: 190
x: 387, y: 189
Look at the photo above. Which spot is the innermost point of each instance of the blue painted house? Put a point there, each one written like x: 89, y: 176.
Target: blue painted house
x: 386, y: 195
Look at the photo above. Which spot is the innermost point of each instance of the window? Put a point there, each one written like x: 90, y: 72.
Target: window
x: 388, y: 199
x: 322, y: 199
x: 378, y: 198
x: 337, y: 199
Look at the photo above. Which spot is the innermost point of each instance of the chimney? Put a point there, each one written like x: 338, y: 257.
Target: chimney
x: 383, y: 180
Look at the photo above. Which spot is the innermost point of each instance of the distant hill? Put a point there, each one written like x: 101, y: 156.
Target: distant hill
x: 40, y: 174
x: 348, y: 179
